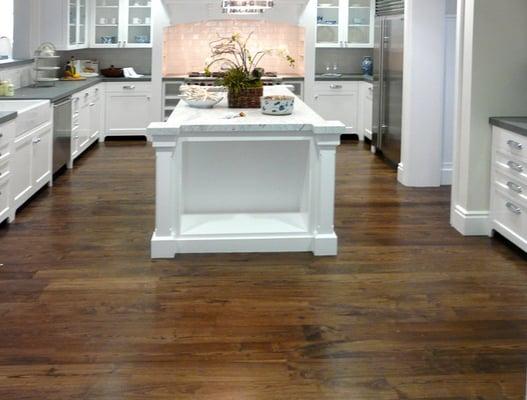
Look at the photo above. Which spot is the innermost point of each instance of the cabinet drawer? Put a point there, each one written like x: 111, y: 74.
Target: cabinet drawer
x: 513, y: 187
x: 511, y: 165
x: 5, y: 134
x: 4, y: 196
x: 4, y: 170
x: 128, y: 87
x: 336, y: 87
x: 32, y: 118
x: 510, y: 213
x: 4, y: 152
x: 510, y: 143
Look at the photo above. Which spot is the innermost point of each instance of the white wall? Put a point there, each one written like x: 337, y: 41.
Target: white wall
x: 186, y: 12
x: 423, y: 87
x: 492, y: 81
x: 449, y: 100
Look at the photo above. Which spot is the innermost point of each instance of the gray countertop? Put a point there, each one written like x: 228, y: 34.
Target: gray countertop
x: 514, y: 124
x: 7, y: 116
x: 64, y: 88
x: 345, y: 77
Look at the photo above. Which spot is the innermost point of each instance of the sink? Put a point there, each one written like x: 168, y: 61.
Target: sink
x: 31, y: 113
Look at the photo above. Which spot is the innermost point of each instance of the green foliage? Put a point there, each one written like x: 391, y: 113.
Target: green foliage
x: 237, y: 79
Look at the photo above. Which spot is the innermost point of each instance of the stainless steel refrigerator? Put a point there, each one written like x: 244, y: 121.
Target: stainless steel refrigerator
x: 388, y: 58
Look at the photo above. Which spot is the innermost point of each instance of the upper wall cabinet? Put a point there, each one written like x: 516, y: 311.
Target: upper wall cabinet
x: 121, y: 23
x: 65, y: 23
x: 345, y: 23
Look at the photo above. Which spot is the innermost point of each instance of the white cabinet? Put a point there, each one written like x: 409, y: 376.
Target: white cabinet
x: 96, y: 112
x: 87, y: 119
x: 508, y: 197
x: 365, y: 119
x: 121, y: 23
x: 6, y: 137
x: 32, y: 163
x: 338, y: 101
x: 41, y: 156
x: 345, y: 23
x: 64, y: 23
x: 127, y: 109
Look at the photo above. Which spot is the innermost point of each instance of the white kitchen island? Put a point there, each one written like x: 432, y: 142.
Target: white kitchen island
x: 250, y: 184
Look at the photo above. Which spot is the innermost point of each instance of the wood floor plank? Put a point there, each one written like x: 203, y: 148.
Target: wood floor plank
x: 409, y: 309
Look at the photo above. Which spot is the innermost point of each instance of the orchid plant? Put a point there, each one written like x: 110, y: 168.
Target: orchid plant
x: 242, y: 65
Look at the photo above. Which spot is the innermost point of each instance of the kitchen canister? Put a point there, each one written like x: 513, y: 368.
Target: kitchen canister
x: 278, y: 105
x: 367, y: 66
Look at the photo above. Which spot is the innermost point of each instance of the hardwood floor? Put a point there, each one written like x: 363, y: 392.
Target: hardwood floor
x: 408, y: 310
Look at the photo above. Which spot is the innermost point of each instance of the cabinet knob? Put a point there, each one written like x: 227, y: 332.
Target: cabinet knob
x: 515, y: 145
x: 36, y: 140
x: 513, y: 208
x: 515, y: 166
x: 514, y: 187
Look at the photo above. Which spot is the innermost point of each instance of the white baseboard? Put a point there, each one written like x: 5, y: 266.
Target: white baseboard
x: 446, y: 174
x: 470, y: 223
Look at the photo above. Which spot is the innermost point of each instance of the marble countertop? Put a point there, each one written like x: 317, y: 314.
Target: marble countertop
x: 7, y: 116
x: 64, y: 89
x: 345, y: 77
x: 514, y: 124
x: 185, y: 119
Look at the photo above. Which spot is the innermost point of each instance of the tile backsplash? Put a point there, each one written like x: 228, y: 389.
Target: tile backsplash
x: 139, y: 59
x: 186, y: 46
x: 20, y: 75
x: 348, y: 61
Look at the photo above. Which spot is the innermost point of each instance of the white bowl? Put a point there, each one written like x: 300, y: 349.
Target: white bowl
x: 202, y: 103
x: 278, y: 105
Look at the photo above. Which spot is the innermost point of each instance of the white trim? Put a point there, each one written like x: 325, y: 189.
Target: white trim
x: 446, y: 173
x: 470, y: 223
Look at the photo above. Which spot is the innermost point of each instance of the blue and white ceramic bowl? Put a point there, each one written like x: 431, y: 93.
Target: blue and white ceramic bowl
x: 278, y: 105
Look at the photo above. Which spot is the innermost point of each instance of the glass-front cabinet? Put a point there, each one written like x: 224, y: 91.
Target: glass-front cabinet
x: 122, y: 23
x: 345, y: 23
x: 78, y: 24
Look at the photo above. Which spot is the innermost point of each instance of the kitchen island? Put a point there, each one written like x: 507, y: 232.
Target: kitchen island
x: 255, y: 183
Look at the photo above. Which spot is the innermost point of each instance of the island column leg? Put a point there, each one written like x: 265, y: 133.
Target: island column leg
x: 325, y: 242
x: 162, y: 245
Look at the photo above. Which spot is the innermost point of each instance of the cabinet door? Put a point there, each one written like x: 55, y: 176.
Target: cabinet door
x: 138, y: 24
x: 338, y: 107
x: 73, y: 21
x: 84, y: 120
x: 95, y: 115
x: 106, y: 23
x: 82, y: 31
x: 21, y: 181
x: 368, y: 112
x: 360, y: 22
x: 127, y: 114
x: 41, y: 155
x: 329, y: 23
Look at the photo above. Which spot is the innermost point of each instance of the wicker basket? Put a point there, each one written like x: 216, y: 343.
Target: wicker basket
x: 245, y: 98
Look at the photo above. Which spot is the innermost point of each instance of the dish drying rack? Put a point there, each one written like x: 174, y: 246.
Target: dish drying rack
x: 46, y: 65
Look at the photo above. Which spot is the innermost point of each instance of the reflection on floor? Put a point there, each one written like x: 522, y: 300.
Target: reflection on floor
x: 408, y: 310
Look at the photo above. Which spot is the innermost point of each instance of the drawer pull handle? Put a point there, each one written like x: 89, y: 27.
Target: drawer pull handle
x: 515, y: 166
x: 36, y: 140
x: 333, y: 86
x: 513, y: 208
x: 514, y: 187
x: 92, y: 104
x: 129, y: 87
x: 515, y: 145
